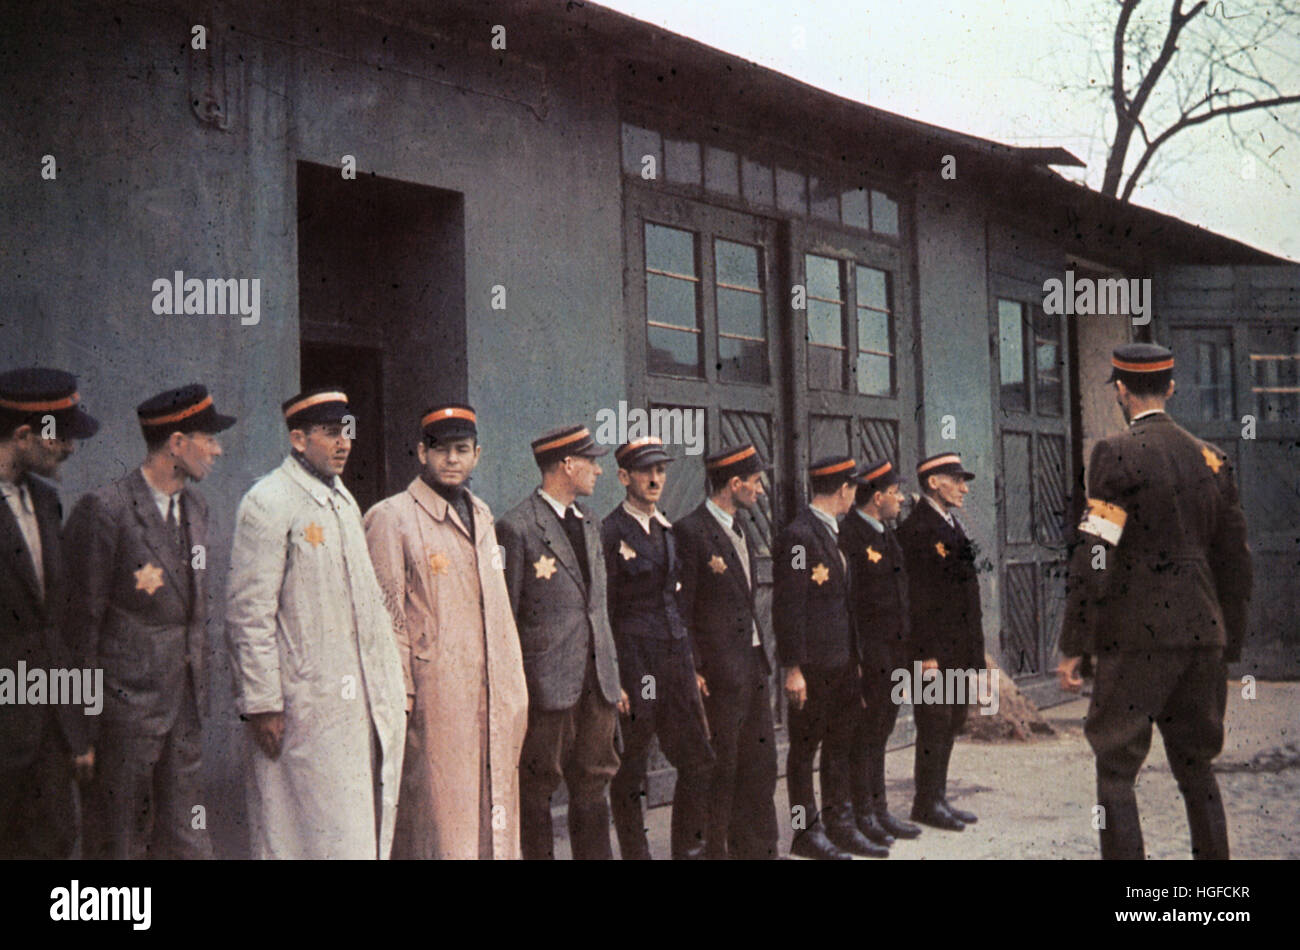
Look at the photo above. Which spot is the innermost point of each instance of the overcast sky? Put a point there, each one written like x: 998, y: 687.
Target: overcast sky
x: 1013, y: 71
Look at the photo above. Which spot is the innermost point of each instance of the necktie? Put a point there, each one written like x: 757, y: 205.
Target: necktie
x: 573, y: 528
x: 31, y: 531
x: 174, y: 526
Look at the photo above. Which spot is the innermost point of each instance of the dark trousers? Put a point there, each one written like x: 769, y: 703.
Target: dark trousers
x: 1184, y: 692
x: 575, y: 745
x: 141, y: 802
x: 867, y: 754
x: 937, y: 725
x: 659, y: 677
x: 742, y: 806
x: 37, y: 809
x: 828, y: 719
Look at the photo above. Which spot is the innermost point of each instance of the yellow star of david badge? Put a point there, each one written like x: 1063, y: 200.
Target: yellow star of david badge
x: 149, y: 579
x: 625, y: 551
x: 1211, y: 459
x: 545, y: 567
x: 938, y: 546
x: 821, y: 574
x: 717, y: 564
x: 439, y: 562
x: 873, y: 555
x: 314, y: 534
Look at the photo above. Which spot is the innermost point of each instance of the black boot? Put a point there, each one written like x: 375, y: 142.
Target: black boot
x: 936, y: 816
x: 896, y: 826
x: 813, y: 843
x: 968, y: 817
x: 870, y: 826
x: 844, y: 833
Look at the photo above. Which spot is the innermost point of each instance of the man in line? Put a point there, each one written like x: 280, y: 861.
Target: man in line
x: 41, y: 420
x: 556, y: 578
x: 1159, y: 587
x: 654, y: 658
x: 947, y: 628
x: 718, y: 571
x: 317, y: 675
x: 818, y: 648
x: 138, y: 607
x: 435, y: 552
x: 880, y: 609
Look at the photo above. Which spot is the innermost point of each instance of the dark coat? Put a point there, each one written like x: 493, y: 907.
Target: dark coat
x: 557, y: 616
x: 641, y: 579
x: 29, y: 631
x: 1180, y: 575
x: 879, y: 599
x: 943, y: 590
x: 131, y: 607
x: 810, y: 596
x: 717, y: 605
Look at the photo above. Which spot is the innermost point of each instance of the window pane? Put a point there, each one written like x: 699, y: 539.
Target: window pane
x: 721, y: 173
x: 1203, y: 363
x: 670, y: 300
x: 669, y: 249
x: 1047, y: 363
x: 637, y: 143
x: 673, y: 352
x: 743, y: 361
x: 853, y: 206
x: 1011, y: 353
x: 873, y: 331
x: 791, y: 191
x: 825, y: 323
x: 875, y: 375
x: 823, y: 277
x: 873, y: 288
x: 757, y: 179
x: 823, y: 200
x: 740, y: 313
x: 736, y: 264
x: 682, y: 161
x: 1275, y: 372
x: 884, y: 214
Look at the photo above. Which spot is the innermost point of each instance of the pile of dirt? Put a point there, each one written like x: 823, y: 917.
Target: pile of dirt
x: 1017, y: 716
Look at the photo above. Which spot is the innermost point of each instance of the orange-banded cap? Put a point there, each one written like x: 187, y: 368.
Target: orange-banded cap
x: 451, y: 420
x: 878, y: 475
x: 734, y: 461
x: 945, y: 463
x: 40, y: 391
x: 186, y: 409
x: 315, y: 407
x: 561, y: 443
x: 642, y: 453
x: 1140, y: 360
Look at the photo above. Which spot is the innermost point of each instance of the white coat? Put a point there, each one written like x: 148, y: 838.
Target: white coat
x: 309, y: 636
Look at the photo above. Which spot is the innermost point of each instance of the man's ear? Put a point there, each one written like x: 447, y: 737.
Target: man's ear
x: 422, y: 453
x: 624, y: 478
x: 298, y: 439
x: 1169, y: 393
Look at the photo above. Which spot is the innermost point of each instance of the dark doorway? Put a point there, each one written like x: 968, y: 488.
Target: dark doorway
x: 358, y: 371
x: 381, y: 297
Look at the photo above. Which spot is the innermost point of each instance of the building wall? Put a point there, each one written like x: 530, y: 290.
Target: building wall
x: 145, y: 189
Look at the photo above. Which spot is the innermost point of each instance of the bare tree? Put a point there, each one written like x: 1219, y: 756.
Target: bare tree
x: 1216, y: 64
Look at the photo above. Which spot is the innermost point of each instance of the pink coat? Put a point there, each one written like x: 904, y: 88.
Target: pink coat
x: 451, y: 615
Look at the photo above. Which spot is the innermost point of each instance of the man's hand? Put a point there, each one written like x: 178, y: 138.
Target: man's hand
x: 1067, y: 674
x: 624, y: 703
x: 796, y: 690
x: 704, y: 687
x: 268, y: 732
x: 928, y: 666
x: 83, y: 766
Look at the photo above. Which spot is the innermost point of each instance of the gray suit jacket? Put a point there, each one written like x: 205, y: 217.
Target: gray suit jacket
x: 130, y: 608
x: 557, y: 616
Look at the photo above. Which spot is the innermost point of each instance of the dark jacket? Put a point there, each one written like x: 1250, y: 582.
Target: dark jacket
x: 641, y: 577
x: 943, y: 590
x: 717, y: 603
x: 560, y: 620
x: 810, y: 596
x: 29, y: 632
x: 131, y: 607
x: 879, y: 593
x: 1180, y: 575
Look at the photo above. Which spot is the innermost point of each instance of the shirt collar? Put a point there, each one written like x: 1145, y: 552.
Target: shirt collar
x: 311, y: 469
x: 722, y: 517
x: 827, y: 520
x: 556, y: 506
x: 644, y: 519
x: 874, y: 522
x: 162, y: 499
x: 1143, y: 415
x: 945, y: 515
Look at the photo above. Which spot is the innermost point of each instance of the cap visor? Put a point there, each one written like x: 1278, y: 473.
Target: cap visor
x: 80, y: 425
x: 649, y: 460
x: 220, y: 423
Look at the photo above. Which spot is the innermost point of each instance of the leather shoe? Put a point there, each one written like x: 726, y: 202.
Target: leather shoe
x: 936, y: 816
x: 968, y: 817
x: 845, y: 835
x: 897, y: 827
x: 813, y: 843
x: 870, y: 826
